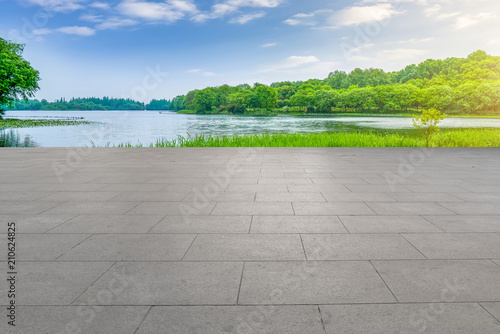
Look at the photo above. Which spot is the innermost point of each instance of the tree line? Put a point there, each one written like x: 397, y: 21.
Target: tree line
x: 92, y: 103
x: 461, y: 85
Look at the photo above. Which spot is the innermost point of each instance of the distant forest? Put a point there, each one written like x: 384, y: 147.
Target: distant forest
x: 468, y: 85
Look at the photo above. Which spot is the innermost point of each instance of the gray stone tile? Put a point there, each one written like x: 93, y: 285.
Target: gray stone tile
x: 257, y: 187
x: 173, y: 208
x: 493, y: 309
x: 53, y: 283
x: 312, y: 282
x: 108, y: 224
x: 466, y: 223
x: 227, y: 319
x: 90, y: 208
x: 20, y: 196
x: 228, y: 196
x: 133, y: 187
x: 203, y: 224
x: 379, y: 188
x: 253, y: 208
x: 296, y: 224
x: 441, y: 280
x: 409, y: 209
x: 80, y: 196
x: 336, y: 188
x: 246, y: 247
x: 479, y: 197
x: 357, y: 197
x: 43, y: 247
x: 171, y: 283
x: 388, y: 224
x: 358, y: 247
x: 331, y: 209
x: 274, y: 180
x: 473, y: 208
x: 131, y: 247
x: 457, y: 246
x: 497, y: 262
x: 33, y: 223
x: 425, y: 188
x: 25, y: 208
x: 289, y: 197
x: 338, y: 181
x: 149, y: 196
x: 482, y: 188
x: 70, y: 187
x: 436, y: 318
x: 424, y: 197
x: 75, y: 319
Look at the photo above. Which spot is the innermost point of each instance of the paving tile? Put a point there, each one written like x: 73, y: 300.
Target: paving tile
x: 335, y: 188
x: 331, y: 209
x: 358, y: 247
x: 109, y: 224
x: 436, y: 189
x: 493, y: 309
x: 90, y: 208
x: 253, y: 208
x: 33, y: 223
x: 481, y: 188
x: 479, y: 197
x: 497, y: 262
x: 338, y: 181
x: 80, y: 196
x: 53, y: 283
x: 246, y: 247
x: 20, y: 196
x: 227, y: 319
x: 473, y: 208
x: 466, y: 223
x: 149, y: 196
x: 289, y: 197
x: 456, y: 246
x: 25, y: 208
x: 70, y: 187
x: 379, y: 188
x: 257, y: 187
x: 133, y: 187
x: 173, y: 208
x: 409, y: 209
x: 136, y: 247
x: 388, y: 224
x: 296, y: 224
x: 75, y: 319
x: 312, y: 282
x: 441, y: 280
x: 424, y: 197
x: 228, y: 196
x: 171, y: 283
x: 357, y: 197
x: 274, y: 180
x: 426, y: 318
x: 203, y: 224
x: 43, y: 247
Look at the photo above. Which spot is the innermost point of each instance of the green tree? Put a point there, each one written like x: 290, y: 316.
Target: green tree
x: 18, y: 80
x: 266, y: 97
x: 427, y: 123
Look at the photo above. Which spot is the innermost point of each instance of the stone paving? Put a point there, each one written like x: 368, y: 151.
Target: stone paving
x: 296, y: 241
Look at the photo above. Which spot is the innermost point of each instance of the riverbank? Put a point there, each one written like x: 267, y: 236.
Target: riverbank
x: 450, y: 138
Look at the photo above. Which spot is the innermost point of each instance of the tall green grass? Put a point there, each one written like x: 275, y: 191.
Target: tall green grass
x: 451, y: 138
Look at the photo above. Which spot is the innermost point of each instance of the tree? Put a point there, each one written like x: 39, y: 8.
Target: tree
x: 18, y: 80
x: 325, y: 100
x: 427, y: 123
x: 266, y: 97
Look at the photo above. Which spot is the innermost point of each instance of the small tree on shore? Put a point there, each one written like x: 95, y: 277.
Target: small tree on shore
x: 18, y: 80
x: 427, y: 123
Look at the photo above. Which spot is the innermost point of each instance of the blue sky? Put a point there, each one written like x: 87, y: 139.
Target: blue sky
x: 147, y: 49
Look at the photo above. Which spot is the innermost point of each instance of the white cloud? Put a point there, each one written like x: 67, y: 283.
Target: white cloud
x: 169, y: 11
x: 402, y: 54
x: 100, y: 5
x: 201, y: 72
x: 269, y: 45
x: 358, y: 15
x: 245, y: 18
x: 295, y: 61
x: 115, y: 23
x: 228, y: 7
x: 59, y: 5
x: 75, y: 30
x: 302, y: 19
x: 472, y: 20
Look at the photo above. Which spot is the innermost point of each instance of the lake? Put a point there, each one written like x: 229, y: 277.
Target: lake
x: 146, y: 127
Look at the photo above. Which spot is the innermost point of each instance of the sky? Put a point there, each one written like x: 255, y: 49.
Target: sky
x: 154, y: 49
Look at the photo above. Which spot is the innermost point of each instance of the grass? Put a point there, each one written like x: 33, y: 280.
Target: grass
x: 10, y: 138
x: 449, y: 138
x: 29, y: 123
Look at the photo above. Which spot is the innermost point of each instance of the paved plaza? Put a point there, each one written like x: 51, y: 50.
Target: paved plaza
x: 250, y: 241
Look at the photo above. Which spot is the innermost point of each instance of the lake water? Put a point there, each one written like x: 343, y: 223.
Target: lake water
x: 146, y: 127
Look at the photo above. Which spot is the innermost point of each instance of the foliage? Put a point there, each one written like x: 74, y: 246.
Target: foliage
x: 29, y: 123
x: 427, y: 123
x: 18, y: 80
x: 91, y: 103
